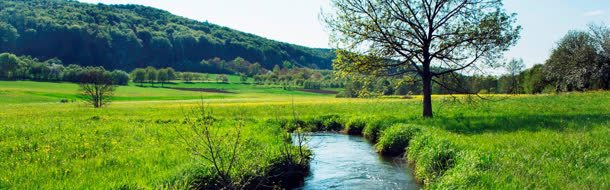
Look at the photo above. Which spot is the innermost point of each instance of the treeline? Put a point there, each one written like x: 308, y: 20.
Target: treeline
x: 288, y: 77
x: 580, y: 62
x: 132, y: 36
x: 152, y: 75
x: 236, y: 66
x: 13, y: 67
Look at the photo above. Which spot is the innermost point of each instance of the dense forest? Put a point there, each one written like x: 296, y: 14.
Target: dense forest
x: 132, y: 36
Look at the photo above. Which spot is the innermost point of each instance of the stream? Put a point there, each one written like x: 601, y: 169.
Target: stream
x: 350, y: 162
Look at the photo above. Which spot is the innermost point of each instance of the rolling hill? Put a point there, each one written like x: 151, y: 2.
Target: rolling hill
x: 130, y: 36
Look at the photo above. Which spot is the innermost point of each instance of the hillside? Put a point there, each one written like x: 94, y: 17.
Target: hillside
x: 131, y: 36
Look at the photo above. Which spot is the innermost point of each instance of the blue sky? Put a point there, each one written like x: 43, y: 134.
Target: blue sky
x: 544, y: 22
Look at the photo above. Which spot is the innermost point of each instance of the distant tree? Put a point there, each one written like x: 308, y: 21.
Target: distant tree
x: 243, y: 78
x: 55, y: 71
x: 120, y: 77
x: 601, y: 38
x: 572, y: 63
x: 8, y: 65
x: 206, y: 77
x: 402, y: 88
x: 385, y: 87
x: 287, y: 65
x: 276, y: 69
x: 533, y: 80
x: 151, y: 75
x: 187, y: 77
x: 171, y: 73
x: 430, y: 38
x: 254, y: 69
x: 96, y: 86
x: 239, y: 65
x: 514, y: 68
x: 139, y: 76
x: 8, y: 36
x: 162, y: 76
x: 222, y: 78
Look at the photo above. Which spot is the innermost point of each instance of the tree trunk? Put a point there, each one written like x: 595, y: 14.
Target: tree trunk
x: 427, y: 80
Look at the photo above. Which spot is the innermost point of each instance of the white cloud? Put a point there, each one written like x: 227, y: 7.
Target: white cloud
x: 594, y: 13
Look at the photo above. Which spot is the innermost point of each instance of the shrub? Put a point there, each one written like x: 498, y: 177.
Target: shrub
x: 290, y: 125
x: 326, y: 123
x: 376, y: 125
x: 395, y: 139
x: 432, y: 156
x: 355, y: 125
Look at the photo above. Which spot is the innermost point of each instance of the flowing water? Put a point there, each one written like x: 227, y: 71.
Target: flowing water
x: 349, y: 162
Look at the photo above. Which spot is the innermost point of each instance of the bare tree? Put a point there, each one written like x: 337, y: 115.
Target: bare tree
x: 430, y: 38
x: 96, y: 86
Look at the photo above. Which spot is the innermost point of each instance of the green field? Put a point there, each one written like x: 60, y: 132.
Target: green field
x: 526, y: 141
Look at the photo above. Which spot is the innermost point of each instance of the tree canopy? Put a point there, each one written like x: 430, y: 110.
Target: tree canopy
x: 132, y: 36
x: 431, y: 38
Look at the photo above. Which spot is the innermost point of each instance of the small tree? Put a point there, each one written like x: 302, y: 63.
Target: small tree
x: 151, y: 75
x: 120, y: 77
x: 514, y: 68
x: 8, y: 65
x: 287, y: 65
x: 96, y: 86
x: 243, y: 78
x: 222, y: 78
x: 162, y: 76
x: 139, y: 76
x: 171, y: 73
x: 187, y: 77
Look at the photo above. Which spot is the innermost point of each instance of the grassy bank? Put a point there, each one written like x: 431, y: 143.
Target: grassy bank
x: 546, y: 141
x: 543, y: 141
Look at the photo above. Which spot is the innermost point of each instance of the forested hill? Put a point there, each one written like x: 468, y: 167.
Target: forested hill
x: 131, y: 36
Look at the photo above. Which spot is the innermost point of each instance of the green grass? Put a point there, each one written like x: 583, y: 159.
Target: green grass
x: 17, y: 92
x: 542, y: 141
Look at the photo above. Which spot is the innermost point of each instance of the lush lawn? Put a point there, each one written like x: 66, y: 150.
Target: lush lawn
x: 543, y: 141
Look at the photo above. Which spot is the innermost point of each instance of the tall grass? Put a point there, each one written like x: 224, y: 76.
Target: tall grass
x: 542, y: 141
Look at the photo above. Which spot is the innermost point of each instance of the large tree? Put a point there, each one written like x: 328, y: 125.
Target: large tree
x: 430, y: 38
x: 572, y: 65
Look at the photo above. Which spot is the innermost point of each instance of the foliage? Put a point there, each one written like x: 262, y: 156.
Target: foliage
x: 131, y: 36
x: 139, y: 75
x: 97, y: 86
x: 395, y: 139
x: 577, y: 63
x: 28, y: 68
x: 432, y: 39
x: 8, y: 65
x: 355, y: 125
x: 571, y: 63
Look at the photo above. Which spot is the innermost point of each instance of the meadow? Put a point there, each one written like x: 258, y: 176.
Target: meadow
x: 509, y: 141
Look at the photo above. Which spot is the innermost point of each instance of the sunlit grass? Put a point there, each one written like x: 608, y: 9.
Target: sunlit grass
x: 525, y: 141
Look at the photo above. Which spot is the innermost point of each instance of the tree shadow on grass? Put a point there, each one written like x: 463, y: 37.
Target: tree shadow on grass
x: 512, y: 123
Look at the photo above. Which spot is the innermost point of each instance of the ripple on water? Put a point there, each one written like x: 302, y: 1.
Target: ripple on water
x: 349, y: 162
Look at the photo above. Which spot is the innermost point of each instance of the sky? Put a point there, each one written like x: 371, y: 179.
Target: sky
x: 544, y: 22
